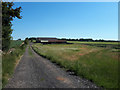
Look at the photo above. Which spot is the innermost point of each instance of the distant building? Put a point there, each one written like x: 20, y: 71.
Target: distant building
x: 49, y: 40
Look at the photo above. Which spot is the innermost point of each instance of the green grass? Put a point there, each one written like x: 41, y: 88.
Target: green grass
x: 15, y: 43
x: 97, y: 64
x: 34, y: 41
x: 30, y: 52
x: 83, y: 42
x: 9, y: 62
x: 113, y: 45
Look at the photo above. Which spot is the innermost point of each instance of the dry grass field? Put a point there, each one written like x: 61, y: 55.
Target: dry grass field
x: 97, y: 64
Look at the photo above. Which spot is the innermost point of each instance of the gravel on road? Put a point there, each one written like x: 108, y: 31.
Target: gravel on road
x: 34, y: 71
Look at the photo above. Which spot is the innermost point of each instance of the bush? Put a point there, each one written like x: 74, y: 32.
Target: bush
x: 26, y: 41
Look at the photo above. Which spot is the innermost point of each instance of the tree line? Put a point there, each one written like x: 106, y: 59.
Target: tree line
x: 88, y: 40
x: 81, y: 39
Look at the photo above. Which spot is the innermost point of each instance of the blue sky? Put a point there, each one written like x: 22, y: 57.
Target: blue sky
x: 97, y: 20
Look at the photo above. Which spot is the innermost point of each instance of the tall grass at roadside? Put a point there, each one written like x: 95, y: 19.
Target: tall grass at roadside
x: 30, y: 52
x: 99, y: 65
x: 9, y: 62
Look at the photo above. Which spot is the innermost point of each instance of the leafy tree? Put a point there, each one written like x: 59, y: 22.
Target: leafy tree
x: 8, y: 13
x: 26, y: 41
x: 19, y: 39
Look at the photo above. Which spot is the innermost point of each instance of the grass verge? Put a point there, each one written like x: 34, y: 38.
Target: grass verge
x: 9, y: 62
x: 30, y: 52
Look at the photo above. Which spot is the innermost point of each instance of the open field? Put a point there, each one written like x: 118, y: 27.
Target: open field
x: 83, y: 42
x: 97, y: 64
x: 112, y: 45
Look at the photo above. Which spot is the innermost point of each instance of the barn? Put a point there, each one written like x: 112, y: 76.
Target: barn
x: 46, y: 40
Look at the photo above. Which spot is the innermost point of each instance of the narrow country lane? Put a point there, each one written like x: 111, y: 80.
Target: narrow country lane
x: 34, y: 71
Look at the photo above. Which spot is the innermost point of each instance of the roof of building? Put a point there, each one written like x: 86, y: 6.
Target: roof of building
x: 46, y: 38
x: 56, y: 40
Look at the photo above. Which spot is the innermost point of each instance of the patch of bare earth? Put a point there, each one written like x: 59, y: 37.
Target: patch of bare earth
x: 75, y: 55
x: 70, y: 57
x: 65, y: 80
x: 115, y: 56
x: 60, y: 78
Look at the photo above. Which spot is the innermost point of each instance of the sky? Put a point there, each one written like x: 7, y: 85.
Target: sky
x: 96, y: 20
